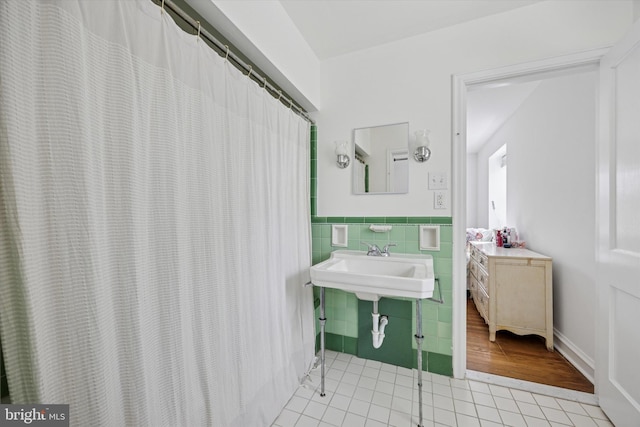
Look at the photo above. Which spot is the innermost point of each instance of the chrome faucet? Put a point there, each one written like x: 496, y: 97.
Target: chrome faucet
x: 385, y: 250
x: 374, y: 250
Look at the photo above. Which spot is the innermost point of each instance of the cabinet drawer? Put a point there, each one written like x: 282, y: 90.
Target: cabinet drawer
x: 477, y: 254
x: 483, y: 280
x: 473, y: 268
x: 473, y: 288
x: 481, y: 301
x: 473, y: 285
x: 483, y: 260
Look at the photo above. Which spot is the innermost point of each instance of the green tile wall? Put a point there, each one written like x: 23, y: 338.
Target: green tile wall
x: 396, y: 347
x: 341, y: 308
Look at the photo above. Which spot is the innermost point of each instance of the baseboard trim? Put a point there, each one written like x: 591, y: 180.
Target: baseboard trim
x: 574, y: 355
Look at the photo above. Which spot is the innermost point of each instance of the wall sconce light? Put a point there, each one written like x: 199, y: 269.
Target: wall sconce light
x: 342, y: 151
x: 422, y: 152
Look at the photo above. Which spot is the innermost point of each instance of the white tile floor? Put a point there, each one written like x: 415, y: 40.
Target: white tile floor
x: 373, y: 394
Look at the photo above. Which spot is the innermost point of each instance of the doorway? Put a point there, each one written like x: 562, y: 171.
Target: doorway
x: 525, y: 73
x: 533, y: 117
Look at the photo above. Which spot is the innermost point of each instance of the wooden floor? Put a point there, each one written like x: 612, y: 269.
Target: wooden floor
x: 521, y: 357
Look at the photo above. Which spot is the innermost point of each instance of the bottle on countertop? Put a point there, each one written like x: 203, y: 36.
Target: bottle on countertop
x: 506, y: 238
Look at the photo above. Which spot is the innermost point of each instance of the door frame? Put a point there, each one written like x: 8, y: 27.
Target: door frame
x: 394, y: 155
x: 460, y: 85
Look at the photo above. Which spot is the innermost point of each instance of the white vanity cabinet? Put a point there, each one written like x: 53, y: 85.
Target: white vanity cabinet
x: 512, y: 290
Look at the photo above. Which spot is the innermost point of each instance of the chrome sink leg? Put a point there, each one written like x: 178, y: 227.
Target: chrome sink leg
x: 323, y: 321
x: 419, y: 339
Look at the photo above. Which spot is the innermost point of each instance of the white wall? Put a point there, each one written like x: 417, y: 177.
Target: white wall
x: 263, y: 31
x: 496, y: 203
x: 410, y: 80
x: 551, y: 193
x: 482, y: 178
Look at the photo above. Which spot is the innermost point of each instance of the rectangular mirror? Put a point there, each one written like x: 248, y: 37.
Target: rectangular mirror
x: 381, y: 159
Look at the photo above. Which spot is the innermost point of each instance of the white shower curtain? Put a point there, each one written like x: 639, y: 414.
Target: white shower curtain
x: 154, y: 222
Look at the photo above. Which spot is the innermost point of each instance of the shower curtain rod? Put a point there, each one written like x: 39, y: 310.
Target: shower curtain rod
x: 239, y: 63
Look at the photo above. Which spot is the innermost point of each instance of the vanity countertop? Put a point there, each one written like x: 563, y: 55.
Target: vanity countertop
x: 490, y: 249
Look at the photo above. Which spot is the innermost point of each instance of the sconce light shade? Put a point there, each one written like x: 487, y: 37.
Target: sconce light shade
x: 422, y: 151
x: 342, y: 151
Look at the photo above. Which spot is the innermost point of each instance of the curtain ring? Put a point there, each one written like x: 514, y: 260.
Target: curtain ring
x: 280, y: 95
x: 162, y: 7
x: 226, y: 56
x: 291, y: 104
x: 250, y: 70
x: 265, y: 83
x: 199, y: 26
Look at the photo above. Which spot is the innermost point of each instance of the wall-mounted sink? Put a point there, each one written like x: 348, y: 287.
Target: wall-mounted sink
x: 373, y: 277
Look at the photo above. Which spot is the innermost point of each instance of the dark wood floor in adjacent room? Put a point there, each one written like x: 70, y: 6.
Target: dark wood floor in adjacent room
x: 521, y: 357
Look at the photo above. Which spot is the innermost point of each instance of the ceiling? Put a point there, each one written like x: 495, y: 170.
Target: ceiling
x: 336, y: 27
x: 489, y: 107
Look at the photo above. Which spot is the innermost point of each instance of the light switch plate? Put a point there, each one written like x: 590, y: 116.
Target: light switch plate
x: 437, y: 181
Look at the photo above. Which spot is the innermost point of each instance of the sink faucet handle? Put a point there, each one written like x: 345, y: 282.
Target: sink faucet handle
x: 385, y: 250
x: 372, y: 249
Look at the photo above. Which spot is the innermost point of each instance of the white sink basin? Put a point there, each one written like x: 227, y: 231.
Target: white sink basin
x: 373, y: 277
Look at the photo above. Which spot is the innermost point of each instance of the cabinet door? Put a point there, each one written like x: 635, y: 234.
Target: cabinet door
x: 521, y: 295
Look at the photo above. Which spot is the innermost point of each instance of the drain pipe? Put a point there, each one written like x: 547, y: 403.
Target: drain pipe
x: 379, y: 323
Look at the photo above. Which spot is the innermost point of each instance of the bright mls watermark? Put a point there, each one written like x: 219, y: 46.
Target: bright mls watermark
x: 34, y: 415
